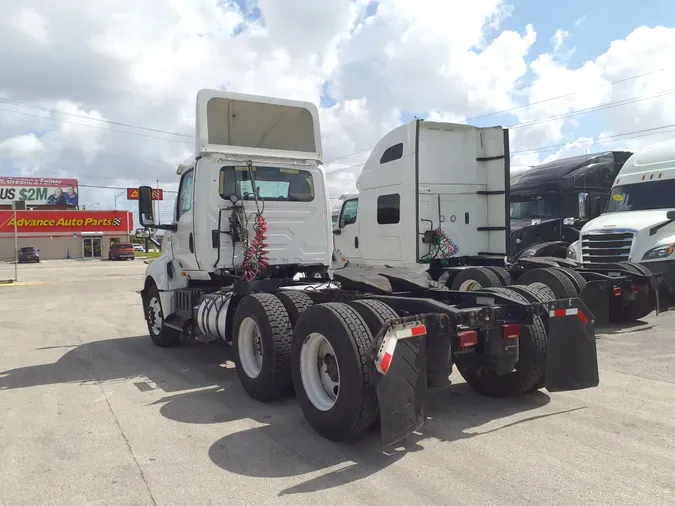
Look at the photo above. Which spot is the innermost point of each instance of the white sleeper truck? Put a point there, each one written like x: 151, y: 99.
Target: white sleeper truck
x: 639, y: 224
x: 433, y: 198
x: 253, y: 213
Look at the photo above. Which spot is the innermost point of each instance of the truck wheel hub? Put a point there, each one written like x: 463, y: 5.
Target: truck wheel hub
x: 320, y: 371
x: 250, y: 347
x: 155, y: 316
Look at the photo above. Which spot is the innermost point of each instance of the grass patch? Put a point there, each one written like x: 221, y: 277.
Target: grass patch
x: 151, y: 254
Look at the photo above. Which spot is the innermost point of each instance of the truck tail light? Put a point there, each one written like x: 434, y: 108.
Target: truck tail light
x: 635, y: 289
x: 617, y: 291
x: 511, y: 331
x: 467, y: 338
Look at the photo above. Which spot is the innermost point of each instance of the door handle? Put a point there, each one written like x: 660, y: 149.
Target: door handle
x: 356, y: 242
x: 192, y: 243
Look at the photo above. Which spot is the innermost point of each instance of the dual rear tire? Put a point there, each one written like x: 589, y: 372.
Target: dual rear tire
x: 283, y: 342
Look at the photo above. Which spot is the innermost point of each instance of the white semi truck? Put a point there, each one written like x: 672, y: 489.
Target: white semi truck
x: 639, y: 223
x: 434, y: 198
x: 253, y: 212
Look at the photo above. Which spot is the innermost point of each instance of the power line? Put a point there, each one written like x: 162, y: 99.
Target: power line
x: 115, y: 187
x: 636, y: 134
x: 100, y: 120
x: 504, y: 111
x: 329, y: 160
x: 95, y: 127
x: 601, y: 107
x: 647, y: 132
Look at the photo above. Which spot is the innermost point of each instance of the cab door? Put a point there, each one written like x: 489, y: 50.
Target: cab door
x: 183, y: 241
x: 346, y: 235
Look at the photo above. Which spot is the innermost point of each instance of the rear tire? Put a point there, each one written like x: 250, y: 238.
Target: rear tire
x: 474, y: 278
x: 577, y: 279
x: 557, y: 282
x: 503, y: 275
x: 161, y: 335
x: 374, y: 313
x: 261, y: 340
x: 529, y: 371
x: 353, y: 407
x: 295, y: 303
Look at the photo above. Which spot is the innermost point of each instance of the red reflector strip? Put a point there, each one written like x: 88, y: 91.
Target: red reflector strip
x: 617, y: 291
x: 420, y: 330
x: 467, y: 338
x: 511, y: 331
x: 557, y: 313
x: 388, y: 355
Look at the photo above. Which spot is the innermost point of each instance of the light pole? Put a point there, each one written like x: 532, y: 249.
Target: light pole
x: 118, y: 196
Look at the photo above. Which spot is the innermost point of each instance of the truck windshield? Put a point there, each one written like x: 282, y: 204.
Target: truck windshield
x: 273, y: 183
x: 550, y: 206
x: 642, y: 196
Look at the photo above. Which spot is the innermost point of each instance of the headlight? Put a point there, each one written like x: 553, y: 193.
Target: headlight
x: 659, y: 252
x: 571, y: 253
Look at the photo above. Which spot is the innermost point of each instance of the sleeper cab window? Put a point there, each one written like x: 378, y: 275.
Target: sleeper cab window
x: 388, y: 209
x: 392, y: 153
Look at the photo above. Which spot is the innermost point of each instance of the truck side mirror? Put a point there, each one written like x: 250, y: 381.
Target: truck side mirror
x: 583, y: 206
x: 670, y: 215
x: 146, y: 215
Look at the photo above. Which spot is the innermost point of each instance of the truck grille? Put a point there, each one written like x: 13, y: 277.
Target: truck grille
x: 606, y: 247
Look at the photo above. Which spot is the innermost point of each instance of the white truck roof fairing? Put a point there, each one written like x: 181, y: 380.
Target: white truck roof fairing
x: 250, y: 125
x: 656, y: 161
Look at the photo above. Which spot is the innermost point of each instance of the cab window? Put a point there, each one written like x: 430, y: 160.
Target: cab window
x: 349, y: 211
x: 185, y: 195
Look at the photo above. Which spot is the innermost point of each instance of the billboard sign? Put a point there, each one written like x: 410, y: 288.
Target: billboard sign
x: 39, y: 191
x: 157, y: 194
x: 67, y: 221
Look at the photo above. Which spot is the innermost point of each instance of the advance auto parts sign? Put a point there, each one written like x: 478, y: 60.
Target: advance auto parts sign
x: 66, y: 221
x: 39, y: 191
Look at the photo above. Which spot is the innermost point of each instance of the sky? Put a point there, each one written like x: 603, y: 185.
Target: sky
x: 104, y: 91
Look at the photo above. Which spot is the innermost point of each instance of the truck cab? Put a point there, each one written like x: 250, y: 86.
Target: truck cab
x: 424, y: 183
x: 254, y: 156
x: 639, y: 223
x: 552, y: 201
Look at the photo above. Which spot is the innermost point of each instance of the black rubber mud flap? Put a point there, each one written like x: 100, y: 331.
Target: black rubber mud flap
x: 571, y: 355
x: 401, y: 393
x: 596, y: 296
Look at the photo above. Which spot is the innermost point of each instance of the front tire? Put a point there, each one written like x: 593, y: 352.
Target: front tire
x: 161, y: 335
x: 333, y: 380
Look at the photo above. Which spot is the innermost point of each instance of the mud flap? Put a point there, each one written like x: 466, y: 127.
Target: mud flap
x: 571, y: 355
x: 595, y: 295
x: 401, y: 392
x: 661, y: 290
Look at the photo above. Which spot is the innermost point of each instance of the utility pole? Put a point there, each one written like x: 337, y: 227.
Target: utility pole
x: 16, y: 204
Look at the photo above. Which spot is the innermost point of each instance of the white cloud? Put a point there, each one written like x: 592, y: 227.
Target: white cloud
x: 558, y: 39
x: 32, y: 24
x: 141, y: 64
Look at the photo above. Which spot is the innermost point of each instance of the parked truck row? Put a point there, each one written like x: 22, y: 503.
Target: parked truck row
x: 358, y: 346
x: 459, y: 233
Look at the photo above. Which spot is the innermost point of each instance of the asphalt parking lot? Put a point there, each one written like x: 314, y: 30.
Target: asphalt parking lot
x: 92, y: 413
